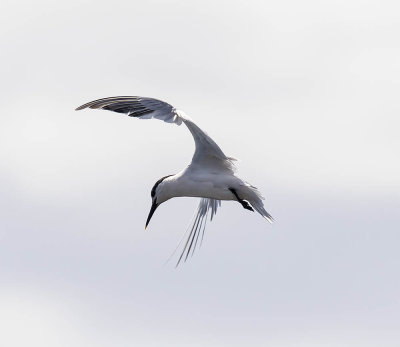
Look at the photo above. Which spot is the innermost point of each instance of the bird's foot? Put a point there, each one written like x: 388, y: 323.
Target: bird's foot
x: 244, y: 203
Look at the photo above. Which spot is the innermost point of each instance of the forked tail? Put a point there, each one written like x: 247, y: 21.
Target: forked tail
x: 261, y: 210
x: 256, y: 202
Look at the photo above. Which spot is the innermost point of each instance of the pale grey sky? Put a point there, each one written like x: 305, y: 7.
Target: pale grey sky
x: 304, y: 93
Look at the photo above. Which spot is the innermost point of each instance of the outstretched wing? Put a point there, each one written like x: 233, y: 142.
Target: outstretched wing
x: 206, y: 206
x: 207, y: 153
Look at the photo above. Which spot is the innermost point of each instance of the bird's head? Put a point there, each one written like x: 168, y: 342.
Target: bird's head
x: 158, y: 196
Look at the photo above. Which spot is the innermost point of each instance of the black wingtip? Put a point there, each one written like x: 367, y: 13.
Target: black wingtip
x: 81, y: 107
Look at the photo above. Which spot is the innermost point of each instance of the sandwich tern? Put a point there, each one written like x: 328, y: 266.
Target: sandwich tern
x: 210, y: 175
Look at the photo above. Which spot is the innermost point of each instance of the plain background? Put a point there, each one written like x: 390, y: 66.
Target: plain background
x: 305, y: 93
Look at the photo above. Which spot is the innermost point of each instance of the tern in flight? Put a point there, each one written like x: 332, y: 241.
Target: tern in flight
x: 210, y: 175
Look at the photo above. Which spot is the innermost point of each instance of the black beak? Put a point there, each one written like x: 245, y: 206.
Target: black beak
x: 152, y: 210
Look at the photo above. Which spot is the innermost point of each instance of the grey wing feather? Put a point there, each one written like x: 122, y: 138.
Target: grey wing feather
x: 135, y: 106
x: 206, y: 206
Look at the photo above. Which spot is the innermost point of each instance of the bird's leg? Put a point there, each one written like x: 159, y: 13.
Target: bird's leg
x: 244, y: 203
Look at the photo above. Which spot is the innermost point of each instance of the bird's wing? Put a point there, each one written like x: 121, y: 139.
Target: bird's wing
x: 207, y: 153
x: 198, y: 226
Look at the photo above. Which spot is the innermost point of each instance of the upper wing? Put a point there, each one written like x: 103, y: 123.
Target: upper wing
x: 207, y: 152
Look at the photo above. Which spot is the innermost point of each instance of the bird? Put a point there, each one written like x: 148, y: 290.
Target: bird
x: 211, y: 175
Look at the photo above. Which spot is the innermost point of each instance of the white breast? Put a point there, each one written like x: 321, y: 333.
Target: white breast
x: 202, y: 184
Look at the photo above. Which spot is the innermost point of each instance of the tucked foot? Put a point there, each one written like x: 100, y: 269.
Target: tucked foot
x: 244, y: 203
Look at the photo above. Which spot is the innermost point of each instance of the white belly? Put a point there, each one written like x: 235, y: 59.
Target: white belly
x: 210, y: 186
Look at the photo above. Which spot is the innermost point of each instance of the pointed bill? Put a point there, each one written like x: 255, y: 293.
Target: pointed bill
x: 152, y: 210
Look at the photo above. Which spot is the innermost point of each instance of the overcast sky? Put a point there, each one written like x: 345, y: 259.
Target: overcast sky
x: 305, y: 94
